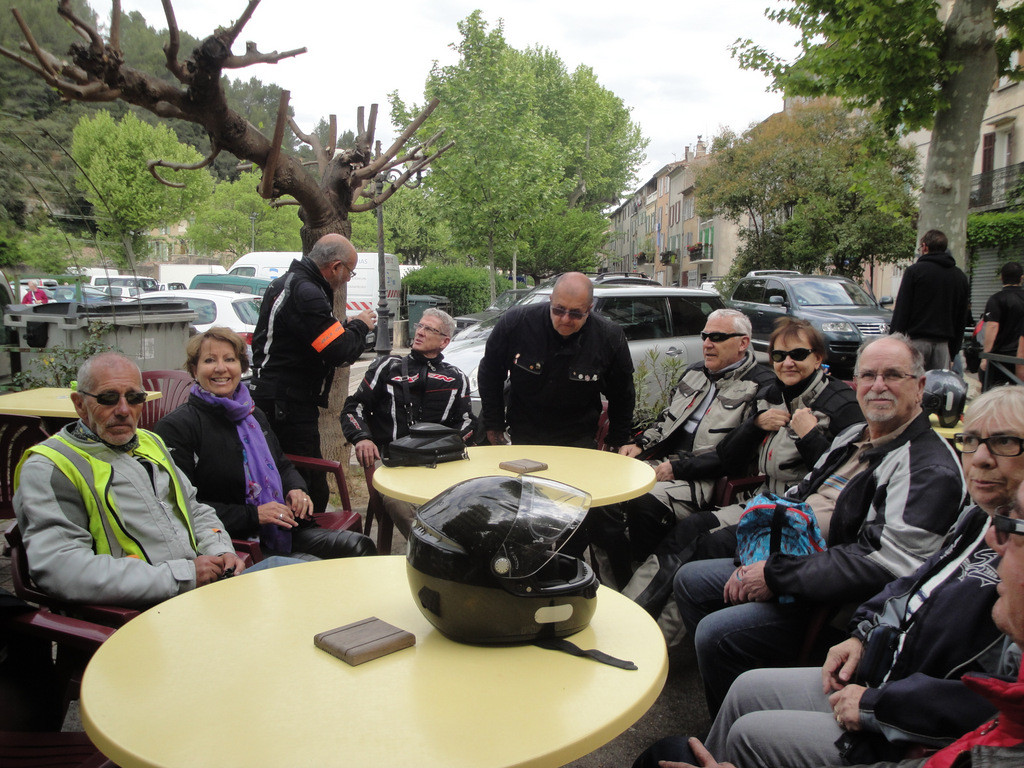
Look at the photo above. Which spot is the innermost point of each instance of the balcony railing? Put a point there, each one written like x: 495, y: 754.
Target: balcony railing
x: 997, y: 189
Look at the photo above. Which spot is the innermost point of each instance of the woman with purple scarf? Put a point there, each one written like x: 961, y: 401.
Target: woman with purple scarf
x: 225, y: 446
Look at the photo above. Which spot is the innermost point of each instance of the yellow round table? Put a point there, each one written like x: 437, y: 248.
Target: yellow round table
x: 607, y: 477
x: 228, y: 675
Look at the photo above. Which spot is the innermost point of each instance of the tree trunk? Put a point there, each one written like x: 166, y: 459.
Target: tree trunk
x: 970, y: 46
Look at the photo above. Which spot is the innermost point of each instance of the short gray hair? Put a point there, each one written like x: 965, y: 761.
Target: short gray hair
x: 1003, y: 403
x: 916, y: 357
x: 448, y: 324
x: 328, y: 250
x: 740, y: 322
x: 87, y: 371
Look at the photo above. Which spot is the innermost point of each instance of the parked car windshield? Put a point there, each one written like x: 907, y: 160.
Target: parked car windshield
x: 831, y: 293
x: 248, y: 310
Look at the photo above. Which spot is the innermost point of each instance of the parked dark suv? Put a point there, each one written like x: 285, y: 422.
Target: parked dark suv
x: 845, y: 313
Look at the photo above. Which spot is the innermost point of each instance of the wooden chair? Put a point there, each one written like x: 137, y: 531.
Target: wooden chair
x: 173, y: 387
x: 375, y: 511
x: 17, y: 434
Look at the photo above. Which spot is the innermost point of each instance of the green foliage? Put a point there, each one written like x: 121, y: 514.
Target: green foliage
x: 47, y: 250
x: 531, y: 140
x: 466, y: 287
x: 1000, y: 229
x: 58, y: 365
x: 654, y: 379
x: 875, y: 54
x: 823, y: 190
x: 226, y: 225
x: 116, y: 181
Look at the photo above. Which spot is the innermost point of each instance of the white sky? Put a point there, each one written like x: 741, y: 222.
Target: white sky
x: 668, y: 61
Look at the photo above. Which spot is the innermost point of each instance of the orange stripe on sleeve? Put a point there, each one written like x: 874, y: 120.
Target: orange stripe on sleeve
x: 320, y: 342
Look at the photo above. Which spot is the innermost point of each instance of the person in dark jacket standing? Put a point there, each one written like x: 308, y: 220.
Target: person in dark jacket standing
x: 297, y: 345
x: 932, y: 304
x: 1004, y: 323
x: 559, y: 358
x: 397, y: 392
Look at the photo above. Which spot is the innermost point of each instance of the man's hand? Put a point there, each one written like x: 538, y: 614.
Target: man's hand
x: 747, y: 585
x: 846, y: 706
x: 772, y: 420
x: 368, y: 316
x: 210, y: 568
x: 664, y: 472
x: 803, y: 421
x: 496, y: 437
x: 367, y: 453
x: 630, y: 449
x: 704, y: 758
x: 840, y: 664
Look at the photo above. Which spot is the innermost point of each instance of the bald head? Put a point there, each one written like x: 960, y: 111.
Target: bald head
x: 571, y: 300
x: 336, y: 258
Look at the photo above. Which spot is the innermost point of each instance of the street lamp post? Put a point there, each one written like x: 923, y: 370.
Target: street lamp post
x: 252, y: 218
x: 383, y: 344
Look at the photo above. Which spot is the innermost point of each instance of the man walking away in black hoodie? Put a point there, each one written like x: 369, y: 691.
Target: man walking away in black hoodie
x: 931, y: 307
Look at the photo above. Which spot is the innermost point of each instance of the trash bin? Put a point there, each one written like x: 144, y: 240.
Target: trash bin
x: 420, y: 302
x: 152, y: 334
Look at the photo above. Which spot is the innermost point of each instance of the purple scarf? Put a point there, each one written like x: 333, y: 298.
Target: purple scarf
x: 262, y: 480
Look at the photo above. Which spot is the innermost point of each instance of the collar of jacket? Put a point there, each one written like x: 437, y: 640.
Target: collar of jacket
x: 312, y: 271
x: 430, y: 362
x: 738, y: 372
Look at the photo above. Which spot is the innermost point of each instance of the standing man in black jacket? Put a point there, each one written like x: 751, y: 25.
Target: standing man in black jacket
x: 559, y: 358
x: 1004, y: 323
x: 297, y: 345
x: 932, y: 305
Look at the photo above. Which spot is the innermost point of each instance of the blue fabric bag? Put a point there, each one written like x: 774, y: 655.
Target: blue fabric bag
x: 772, y: 524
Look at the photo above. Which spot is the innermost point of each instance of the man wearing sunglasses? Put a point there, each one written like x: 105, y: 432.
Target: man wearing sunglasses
x: 298, y: 343
x: 397, y: 392
x: 558, y: 359
x: 713, y: 397
x: 105, y: 515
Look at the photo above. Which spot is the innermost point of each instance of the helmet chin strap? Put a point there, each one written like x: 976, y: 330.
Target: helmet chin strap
x: 561, y: 644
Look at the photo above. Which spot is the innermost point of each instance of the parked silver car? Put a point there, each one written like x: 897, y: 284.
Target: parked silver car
x: 657, y: 321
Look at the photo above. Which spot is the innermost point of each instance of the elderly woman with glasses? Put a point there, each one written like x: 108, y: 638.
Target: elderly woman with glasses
x: 225, y: 446
x: 896, y: 681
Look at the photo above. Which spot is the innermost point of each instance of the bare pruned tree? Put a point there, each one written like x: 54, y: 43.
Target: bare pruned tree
x: 95, y: 71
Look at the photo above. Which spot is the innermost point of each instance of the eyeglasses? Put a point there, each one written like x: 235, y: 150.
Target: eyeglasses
x: 112, y: 398
x: 428, y: 329
x: 998, y: 445
x: 889, y: 377
x: 351, y: 272
x: 574, y: 314
x: 799, y: 354
x: 717, y: 337
x: 1005, y: 526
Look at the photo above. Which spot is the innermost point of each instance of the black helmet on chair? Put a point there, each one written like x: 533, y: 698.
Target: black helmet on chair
x: 484, y: 564
x: 945, y: 395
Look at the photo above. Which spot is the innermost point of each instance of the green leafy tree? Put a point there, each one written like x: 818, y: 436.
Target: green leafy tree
x: 47, y: 250
x: 816, y: 188
x: 128, y: 200
x: 532, y: 141
x: 917, y: 66
x: 236, y: 218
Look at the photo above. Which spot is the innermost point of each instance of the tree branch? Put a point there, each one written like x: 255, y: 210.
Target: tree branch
x: 374, y: 168
x: 173, y: 43
x: 232, y: 32
x: 266, y: 187
x: 39, y: 53
x: 115, y: 26
x: 64, y: 9
x: 153, y: 164
x: 394, y: 187
x: 314, y: 141
x: 253, y: 56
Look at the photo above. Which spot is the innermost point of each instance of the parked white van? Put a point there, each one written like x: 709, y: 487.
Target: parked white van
x: 363, y: 290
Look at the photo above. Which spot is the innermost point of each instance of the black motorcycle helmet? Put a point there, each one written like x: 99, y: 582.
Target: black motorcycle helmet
x: 945, y: 395
x: 484, y: 564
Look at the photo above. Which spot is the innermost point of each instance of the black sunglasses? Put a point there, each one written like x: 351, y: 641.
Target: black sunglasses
x: 717, y: 337
x: 1004, y: 526
x: 112, y: 398
x: 798, y: 354
x: 574, y: 314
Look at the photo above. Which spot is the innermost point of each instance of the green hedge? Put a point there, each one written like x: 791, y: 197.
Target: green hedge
x: 468, y: 288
